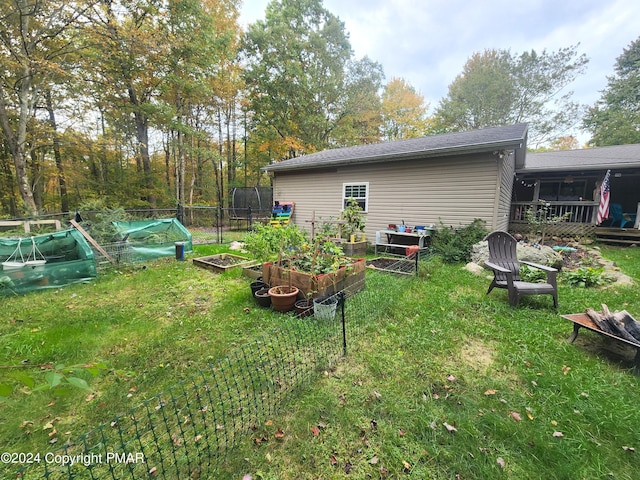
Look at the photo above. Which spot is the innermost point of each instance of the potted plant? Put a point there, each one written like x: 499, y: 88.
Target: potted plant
x: 353, y: 225
x: 283, y: 297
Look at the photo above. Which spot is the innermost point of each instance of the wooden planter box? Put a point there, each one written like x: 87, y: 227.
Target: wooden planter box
x: 355, y: 249
x: 252, y: 271
x: 222, y: 262
x: 352, y: 249
x: 351, y: 277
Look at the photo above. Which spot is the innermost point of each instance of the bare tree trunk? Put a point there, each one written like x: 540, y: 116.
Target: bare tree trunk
x: 220, y: 175
x: 17, y: 141
x: 62, y: 182
x: 180, y: 168
x: 7, y: 184
x: 167, y: 160
x: 142, y: 137
x: 37, y: 186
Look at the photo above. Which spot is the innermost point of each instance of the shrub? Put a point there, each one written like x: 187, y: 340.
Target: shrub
x: 534, y: 275
x: 265, y: 241
x: 587, y: 277
x: 99, y: 220
x: 454, y: 245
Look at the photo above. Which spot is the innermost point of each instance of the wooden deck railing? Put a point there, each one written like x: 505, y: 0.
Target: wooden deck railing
x: 580, y: 217
x: 575, y: 212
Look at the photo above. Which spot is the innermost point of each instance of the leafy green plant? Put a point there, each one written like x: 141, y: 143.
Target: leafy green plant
x: 265, y: 241
x: 454, y: 245
x: 534, y: 275
x: 292, y: 245
x: 58, y: 378
x: 353, y: 218
x: 327, y: 229
x: 541, y: 217
x: 100, y: 218
x: 587, y: 277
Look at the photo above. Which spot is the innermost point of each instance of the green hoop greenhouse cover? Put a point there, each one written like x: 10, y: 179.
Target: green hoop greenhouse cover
x: 44, y: 261
x: 149, y: 239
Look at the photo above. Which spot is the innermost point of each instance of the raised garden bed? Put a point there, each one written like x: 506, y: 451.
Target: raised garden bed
x: 350, y: 278
x: 393, y: 265
x: 252, y: 271
x: 222, y: 262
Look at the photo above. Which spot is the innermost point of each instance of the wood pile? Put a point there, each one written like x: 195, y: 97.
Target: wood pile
x: 621, y: 324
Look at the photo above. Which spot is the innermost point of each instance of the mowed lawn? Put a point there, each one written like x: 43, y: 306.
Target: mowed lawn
x: 442, y: 381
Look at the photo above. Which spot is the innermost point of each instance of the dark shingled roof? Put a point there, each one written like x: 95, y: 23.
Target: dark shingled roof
x: 618, y: 156
x: 488, y: 139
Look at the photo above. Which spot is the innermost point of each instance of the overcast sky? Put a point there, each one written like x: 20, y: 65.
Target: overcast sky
x: 427, y: 42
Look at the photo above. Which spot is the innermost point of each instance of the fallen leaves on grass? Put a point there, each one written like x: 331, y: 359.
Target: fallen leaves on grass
x: 450, y: 428
x: 516, y: 416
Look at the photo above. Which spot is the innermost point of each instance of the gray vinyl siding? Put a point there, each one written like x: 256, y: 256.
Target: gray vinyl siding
x: 506, y: 190
x: 451, y: 190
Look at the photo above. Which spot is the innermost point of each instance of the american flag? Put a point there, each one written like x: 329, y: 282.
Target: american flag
x: 603, y: 208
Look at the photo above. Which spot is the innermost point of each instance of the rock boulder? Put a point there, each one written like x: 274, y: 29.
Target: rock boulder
x: 525, y: 251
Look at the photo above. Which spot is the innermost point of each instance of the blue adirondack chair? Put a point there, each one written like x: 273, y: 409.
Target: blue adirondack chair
x: 619, y: 218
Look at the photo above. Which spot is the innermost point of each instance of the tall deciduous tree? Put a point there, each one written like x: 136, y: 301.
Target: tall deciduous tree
x: 300, y: 76
x: 34, y: 39
x: 205, y: 38
x: 127, y: 63
x: 615, y: 118
x: 497, y: 87
x: 404, y: 113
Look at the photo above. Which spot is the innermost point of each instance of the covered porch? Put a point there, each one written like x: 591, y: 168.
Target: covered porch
x: 573, y: 197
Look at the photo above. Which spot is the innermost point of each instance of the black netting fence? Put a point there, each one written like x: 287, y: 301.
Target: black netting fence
x: 194, y: 426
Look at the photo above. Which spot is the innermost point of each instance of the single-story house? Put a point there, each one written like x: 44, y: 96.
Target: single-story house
x: 452, y: 178
x: 455, y: 178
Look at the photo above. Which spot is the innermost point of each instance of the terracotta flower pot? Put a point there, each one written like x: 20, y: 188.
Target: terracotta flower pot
x: 283, y: 297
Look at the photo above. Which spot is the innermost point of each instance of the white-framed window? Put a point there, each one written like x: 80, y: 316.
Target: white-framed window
x: 358, y: 191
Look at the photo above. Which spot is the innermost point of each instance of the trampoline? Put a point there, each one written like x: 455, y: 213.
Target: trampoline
x: 258, y: 199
